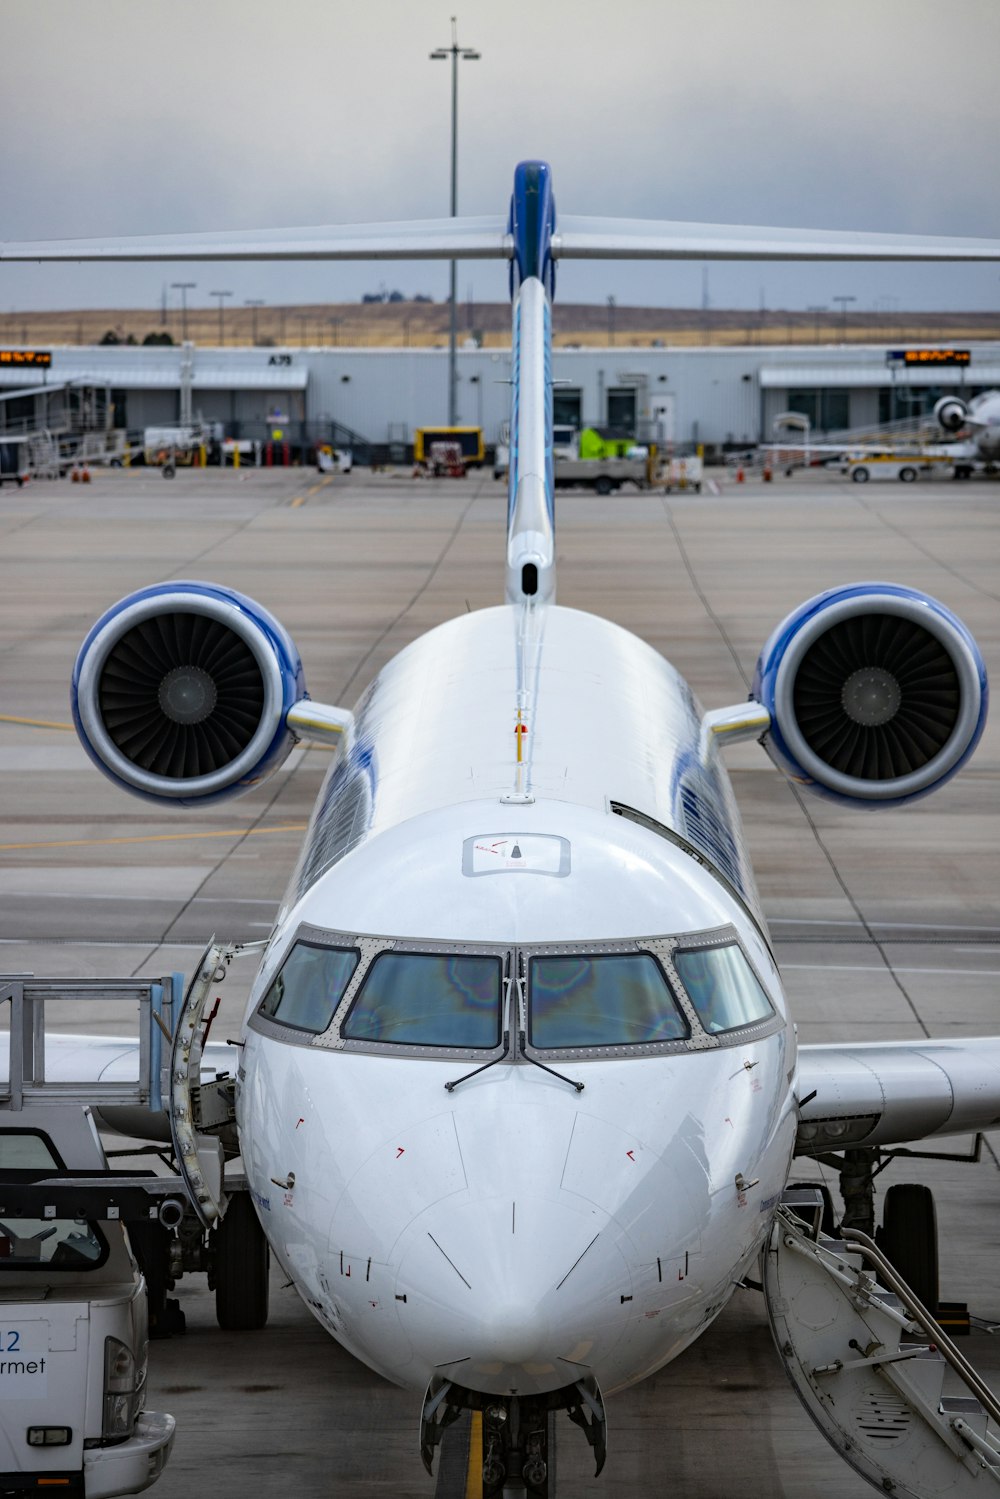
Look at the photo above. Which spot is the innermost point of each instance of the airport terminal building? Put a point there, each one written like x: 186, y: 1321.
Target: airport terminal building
x: 718, y: 397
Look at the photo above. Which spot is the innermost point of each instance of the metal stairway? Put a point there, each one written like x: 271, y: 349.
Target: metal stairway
x: 43, y: 455
x: 869, y: 1362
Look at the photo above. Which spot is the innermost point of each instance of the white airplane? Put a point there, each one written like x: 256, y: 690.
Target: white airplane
x: 519, y: 1091
x: 978, y: 418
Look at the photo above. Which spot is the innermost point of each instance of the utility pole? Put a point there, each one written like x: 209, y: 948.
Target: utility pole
x: 843, y: 315
x: 253, y: 303
x: 222, y: 327
x: 441, y: 55
x: 184, y: 287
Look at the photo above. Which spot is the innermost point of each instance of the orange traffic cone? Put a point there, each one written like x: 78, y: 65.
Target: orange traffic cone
x: 85, y: 476
x: 740, y: 476
x: 74, y: 475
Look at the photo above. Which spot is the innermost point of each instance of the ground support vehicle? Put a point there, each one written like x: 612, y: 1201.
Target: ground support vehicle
x: 88, y: 1254
x: 14, y: 466
x: 73, y: 1321
x: 887, y: 466
x: 469, y: 440
x: 603, y: 475
x: 681, y: 473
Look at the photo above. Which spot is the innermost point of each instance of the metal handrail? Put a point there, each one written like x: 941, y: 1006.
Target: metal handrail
x: 928, y: 1324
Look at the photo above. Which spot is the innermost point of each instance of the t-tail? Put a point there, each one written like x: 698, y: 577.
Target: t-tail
x: 531, y: 558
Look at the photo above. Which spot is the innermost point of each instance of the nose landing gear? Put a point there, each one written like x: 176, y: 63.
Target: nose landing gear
x: 519, y: 1445
x: 517, y: 1432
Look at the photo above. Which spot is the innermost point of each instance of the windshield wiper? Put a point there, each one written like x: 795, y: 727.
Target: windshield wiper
x: 522, y: 1043
x: 450, y: 1087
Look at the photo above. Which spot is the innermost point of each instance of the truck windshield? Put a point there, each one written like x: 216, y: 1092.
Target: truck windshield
x: 610, y: 999
x: 37, y: 1243
x: 428, y: 999
x: 722, y: 987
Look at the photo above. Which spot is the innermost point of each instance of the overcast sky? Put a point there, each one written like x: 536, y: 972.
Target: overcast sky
x: 149, y: 116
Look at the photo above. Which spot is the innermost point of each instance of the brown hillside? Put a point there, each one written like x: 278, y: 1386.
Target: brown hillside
x: 424, y: 325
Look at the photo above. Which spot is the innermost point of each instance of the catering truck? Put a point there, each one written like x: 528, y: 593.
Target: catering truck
x: 73, y: 1321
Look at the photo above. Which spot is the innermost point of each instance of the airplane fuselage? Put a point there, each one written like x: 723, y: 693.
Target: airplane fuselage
x: 525, y: 784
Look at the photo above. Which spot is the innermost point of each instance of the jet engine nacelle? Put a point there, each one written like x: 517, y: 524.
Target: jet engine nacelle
x: 950, y: 413
x: 180, y: 693
x: 877, y: 694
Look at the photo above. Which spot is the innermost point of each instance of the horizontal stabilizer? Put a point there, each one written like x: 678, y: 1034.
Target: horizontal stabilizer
x: 422, y: 239
x: 650, y: 239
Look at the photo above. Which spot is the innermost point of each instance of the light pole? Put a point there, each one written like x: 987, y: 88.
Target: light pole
x: 611, y: 322
x: 184, y: 287
x: 843, y: 315
x: 817, y: 311
x: 441, y: 55
x: 222, y: 327
x: 253, y: 303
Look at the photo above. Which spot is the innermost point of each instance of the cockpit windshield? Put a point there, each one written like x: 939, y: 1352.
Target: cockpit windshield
x: 609, y: 999
x: 722, y: 987
x: 366, y: 993
x: 428, y: 999
x: 310, y: 985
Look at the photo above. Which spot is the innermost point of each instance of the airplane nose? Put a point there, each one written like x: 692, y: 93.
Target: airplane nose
x: 521, y: 1295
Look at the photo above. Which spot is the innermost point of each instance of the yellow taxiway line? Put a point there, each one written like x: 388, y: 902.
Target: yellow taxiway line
x: 290, y: 827
x: 35, y: 723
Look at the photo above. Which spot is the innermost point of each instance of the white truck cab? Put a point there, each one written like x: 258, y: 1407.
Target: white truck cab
x: 73, y: 1326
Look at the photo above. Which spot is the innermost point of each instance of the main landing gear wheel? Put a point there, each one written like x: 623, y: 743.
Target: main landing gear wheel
x: 908, y: 1239
x: 242, y: 1261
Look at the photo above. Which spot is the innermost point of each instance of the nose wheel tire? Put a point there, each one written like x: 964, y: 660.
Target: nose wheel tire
x: 527, y: 1470
x: 908, y: 1239
x: 241, y: 1264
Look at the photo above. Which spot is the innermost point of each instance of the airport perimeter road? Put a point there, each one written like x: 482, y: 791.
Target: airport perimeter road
x: 887, y: 924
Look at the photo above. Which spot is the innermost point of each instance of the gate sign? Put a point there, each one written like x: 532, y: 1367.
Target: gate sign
x: 38, y: 359
x: 921, y: 358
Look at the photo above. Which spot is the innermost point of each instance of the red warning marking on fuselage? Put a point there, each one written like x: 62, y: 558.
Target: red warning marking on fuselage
x: 301, y: 1121
x: 399, y: 1151
x: 631, y: 1155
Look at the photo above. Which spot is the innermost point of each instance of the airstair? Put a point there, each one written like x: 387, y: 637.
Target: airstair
x: 42, y: 455
x: 881, y: 1379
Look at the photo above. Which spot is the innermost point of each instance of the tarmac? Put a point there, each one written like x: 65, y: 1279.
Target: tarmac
x: 886, y: 924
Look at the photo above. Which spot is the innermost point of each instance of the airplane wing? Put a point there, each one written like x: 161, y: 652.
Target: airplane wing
x: 650, y: 239
x: 890, y: 1092
x: 110, y: 1059
x: 427, y: 239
